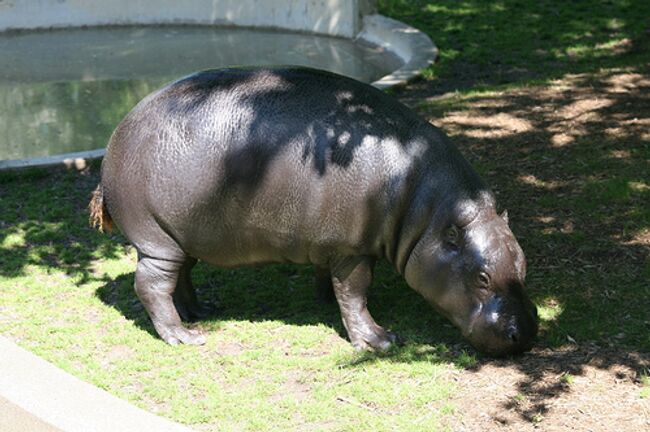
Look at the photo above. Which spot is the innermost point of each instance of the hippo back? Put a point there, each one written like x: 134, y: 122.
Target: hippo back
x: 243, y: 166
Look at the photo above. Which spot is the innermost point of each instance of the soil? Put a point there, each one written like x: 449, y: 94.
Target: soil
x: 571, y: 389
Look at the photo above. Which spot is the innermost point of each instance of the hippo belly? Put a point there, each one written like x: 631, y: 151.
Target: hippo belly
x: 291, y: 212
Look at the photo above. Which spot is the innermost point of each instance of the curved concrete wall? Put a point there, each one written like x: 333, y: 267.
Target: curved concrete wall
x: 332, y: 17
x: 411, y: 45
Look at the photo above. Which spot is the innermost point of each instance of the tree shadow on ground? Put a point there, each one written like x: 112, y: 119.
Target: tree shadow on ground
x: 486, y: 43
x: 569, y: 160
x: 285, y: 292
x: 44, y: 222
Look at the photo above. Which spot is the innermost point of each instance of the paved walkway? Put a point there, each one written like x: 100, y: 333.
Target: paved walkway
x: 36, y: 396
x: 15, y: 419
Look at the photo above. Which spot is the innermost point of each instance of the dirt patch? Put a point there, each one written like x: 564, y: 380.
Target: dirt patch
x: 641, y: 238
x: 488, y: 126
x: 578, y: 389
x: 294, y: 387
x: 116, y: 354
x: 226, y: 348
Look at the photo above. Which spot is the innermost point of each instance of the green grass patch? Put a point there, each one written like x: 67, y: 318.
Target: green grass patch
x: 501, y: 42
x: 644, y: 393
x: 567, y: 378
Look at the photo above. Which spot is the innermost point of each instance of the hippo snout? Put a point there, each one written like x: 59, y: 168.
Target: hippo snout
x: 505, y: 327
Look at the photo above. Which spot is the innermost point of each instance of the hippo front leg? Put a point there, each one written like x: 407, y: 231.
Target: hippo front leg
x: 351, y: 279
x: 155, y: 282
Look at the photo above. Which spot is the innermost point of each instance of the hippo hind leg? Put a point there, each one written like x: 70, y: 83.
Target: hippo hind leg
x: 323, y: 283
x: 351, y: 279
x: 187, y: 305
x: 155, y: 282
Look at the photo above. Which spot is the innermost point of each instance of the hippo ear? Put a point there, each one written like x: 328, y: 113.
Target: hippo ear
x: 504, y: 216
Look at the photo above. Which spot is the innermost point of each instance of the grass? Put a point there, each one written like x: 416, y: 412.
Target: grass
x: 567, y: 378
x: 510, y: 88
x: 644, y: 393
x: 275, y: 358
x: 512, y: 42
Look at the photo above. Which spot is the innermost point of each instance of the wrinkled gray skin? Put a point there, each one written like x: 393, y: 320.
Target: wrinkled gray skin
x: 248, y: 166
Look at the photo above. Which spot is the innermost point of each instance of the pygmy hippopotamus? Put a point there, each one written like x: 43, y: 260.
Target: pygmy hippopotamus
x: 247, y: 166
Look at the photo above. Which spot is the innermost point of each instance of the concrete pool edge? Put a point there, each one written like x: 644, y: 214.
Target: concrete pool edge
x: 332, y: 17
x: 413, y: 47
x: 75, y: 160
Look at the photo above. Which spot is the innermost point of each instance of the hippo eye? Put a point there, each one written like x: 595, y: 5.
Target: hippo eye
x: 452, y: 236
x: 483, y: 280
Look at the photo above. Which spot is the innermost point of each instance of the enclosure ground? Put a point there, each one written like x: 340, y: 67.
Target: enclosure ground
x: 554, y: 113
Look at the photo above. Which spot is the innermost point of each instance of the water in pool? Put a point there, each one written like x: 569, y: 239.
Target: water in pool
x: 66, y: 90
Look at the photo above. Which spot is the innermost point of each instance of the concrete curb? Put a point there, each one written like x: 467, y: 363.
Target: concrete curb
x: 37, y: 396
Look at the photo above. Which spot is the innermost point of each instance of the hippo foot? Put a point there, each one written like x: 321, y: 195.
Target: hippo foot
x: 380, y: 340
x: 197, y: 312
x: 181, y: 335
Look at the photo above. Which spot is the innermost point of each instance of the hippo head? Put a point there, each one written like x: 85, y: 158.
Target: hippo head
x: 472, y: 270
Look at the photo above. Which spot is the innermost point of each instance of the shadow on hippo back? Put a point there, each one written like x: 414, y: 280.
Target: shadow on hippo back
x: 249, y: 166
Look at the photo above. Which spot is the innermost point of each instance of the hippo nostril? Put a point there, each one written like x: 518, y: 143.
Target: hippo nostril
x: 513, y: 334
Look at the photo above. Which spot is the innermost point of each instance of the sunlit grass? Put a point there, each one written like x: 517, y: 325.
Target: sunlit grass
x: 644, y: 393
x: 275, y: 359
x: 252, y: 374
x: 550, y: 310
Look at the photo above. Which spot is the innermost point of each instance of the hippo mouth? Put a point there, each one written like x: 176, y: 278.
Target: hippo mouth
x: 476, y: 314
x: 502, y: 327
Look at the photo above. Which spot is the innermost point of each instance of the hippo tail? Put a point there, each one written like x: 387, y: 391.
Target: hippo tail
x: 99, y: 216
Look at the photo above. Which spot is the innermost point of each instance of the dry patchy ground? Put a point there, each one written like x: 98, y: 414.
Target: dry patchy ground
x: 575, y: 388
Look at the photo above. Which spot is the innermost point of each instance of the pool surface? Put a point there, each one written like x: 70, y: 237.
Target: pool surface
x: 65, y: 91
